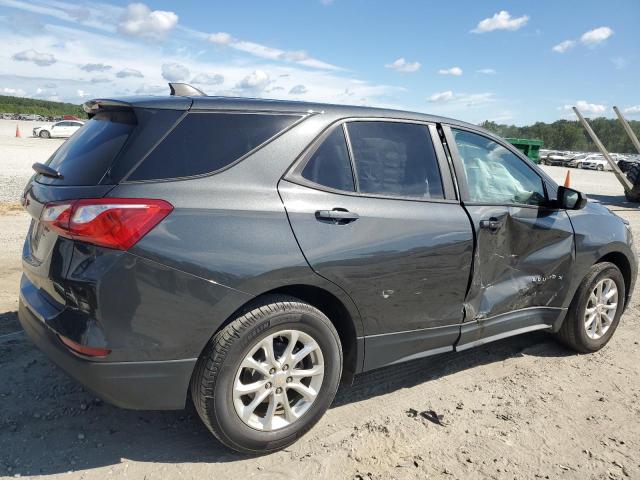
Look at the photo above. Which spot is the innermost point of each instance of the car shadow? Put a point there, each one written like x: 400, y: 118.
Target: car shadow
x: 68, y: 429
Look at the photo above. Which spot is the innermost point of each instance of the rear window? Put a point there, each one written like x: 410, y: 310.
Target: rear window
x: 88, y: 154
x: 206, y: 142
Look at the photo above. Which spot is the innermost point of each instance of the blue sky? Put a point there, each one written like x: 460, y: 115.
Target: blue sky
x: 507, y: 61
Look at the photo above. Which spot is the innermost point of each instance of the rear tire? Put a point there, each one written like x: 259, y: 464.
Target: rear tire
x: 575, y: 332
x: 222, y: 377
x: 44, y: 134
x: 600, y: 168
x: 633, y: 174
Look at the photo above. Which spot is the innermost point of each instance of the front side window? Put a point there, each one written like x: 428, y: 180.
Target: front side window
x: 395, y: 159
x: 205, y: 142
x: 494, y: 174
x: 330, y: 165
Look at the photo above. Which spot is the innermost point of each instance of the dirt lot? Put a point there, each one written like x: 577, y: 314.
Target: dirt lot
x: 520, y: 408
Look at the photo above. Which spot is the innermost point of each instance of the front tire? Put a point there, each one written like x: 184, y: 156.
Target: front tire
x: 44, y: 134
x: 268, y: 377
x: 594, y: 313
x: 600, y: 168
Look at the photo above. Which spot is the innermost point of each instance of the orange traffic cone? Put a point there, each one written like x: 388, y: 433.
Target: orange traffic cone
x: 567, y: 180
x: 18, y: 131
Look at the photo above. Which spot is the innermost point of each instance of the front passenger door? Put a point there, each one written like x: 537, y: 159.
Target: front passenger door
x: 524, y: 249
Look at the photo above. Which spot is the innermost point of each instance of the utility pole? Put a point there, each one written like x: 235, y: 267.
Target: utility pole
x: 614, y: 166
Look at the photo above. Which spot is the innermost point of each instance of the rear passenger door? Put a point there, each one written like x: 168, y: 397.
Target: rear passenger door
x: 373, y: 208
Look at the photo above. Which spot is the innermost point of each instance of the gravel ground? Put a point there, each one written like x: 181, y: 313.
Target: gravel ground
x: 18, y: 154
x: 520, y: 408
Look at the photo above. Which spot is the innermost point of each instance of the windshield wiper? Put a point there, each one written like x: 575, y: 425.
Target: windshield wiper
x: 45, y: 170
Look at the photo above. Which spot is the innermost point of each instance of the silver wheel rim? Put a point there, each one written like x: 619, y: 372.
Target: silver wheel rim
x: 601, y: 309
x: 278, y: 380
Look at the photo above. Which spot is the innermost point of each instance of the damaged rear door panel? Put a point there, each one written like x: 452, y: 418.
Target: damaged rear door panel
x: 524, y: 250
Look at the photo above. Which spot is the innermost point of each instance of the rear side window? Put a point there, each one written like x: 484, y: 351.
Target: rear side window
x: 396, y: 159
x: 88, y: 154
x: 330, y: 165
x: 205, y: 142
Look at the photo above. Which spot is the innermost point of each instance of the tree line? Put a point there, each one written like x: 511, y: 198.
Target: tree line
x: 46, y: 108
x: 571, y: 135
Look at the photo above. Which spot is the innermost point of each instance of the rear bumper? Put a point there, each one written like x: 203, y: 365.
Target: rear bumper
x: 151, y: 385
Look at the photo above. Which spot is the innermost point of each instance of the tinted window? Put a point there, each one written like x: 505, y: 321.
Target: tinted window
x: 87, y: 155
x: 494, y: 174
x: 395, y: 159
x: 206, y: 142
x: 330, y: 165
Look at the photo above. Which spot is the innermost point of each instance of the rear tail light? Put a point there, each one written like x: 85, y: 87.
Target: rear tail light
x: 109, y: 222
x: 84, y: 350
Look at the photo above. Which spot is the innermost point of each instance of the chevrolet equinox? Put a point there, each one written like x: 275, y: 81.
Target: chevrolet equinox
x: 253, y: 254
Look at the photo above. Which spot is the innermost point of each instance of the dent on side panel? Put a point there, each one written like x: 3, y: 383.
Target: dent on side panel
x: 525, y: 263
x: 140, y: 309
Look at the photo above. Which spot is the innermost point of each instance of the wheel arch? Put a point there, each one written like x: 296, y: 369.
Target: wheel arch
x: 344, y: 319
x: 621, y: 261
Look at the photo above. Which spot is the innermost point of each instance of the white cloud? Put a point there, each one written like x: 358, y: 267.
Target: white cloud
x: 564, y: 46
x: 40, y: 59
x: 141, y: 73
x: 208, y: 79
x: 82, y: 94
x: 455, y: 71
x: 298, y: 90
x: 461, y: 99
x: 138, y: 20
x: 95, y: 67
x: 146, y: 89
x: 596, y: 36
x: 486, y: 71
x: 263, y: 51
x: 14, y: 92
x: 586, y: 107
x: 129, y: 72
x: 294, y: 56
x: 501, y: 21
x: 257, y: 81
x: 635, y: 109
x: 221, y: 38
x: 445, y: 96
x: 101, y: 79
x: 620, y: 62
x: 174, y: 72
x: 401, y: 65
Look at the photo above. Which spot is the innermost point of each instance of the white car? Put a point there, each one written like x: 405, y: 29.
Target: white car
x: 593, y: 162
x: 62, y: 129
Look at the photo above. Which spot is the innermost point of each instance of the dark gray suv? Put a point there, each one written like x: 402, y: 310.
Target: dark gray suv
x: 256, y: 253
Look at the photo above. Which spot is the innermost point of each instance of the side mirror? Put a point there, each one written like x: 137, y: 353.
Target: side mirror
x: 570, y: 199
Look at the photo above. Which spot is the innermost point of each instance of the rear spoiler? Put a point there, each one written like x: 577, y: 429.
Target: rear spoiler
x: 178, y: 100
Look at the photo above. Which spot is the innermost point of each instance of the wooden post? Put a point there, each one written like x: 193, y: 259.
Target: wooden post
x: 626, y: 184
x: 627, y: 129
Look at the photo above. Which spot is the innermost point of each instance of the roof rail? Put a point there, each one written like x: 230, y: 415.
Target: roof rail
x: 185, y: 90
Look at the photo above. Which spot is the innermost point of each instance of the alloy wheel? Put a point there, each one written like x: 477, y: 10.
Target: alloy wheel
x: 601, y: 308
x: 278, y: 380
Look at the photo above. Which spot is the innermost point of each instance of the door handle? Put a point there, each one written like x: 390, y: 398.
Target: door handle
x: 338, y: 215
x: 492, y: 224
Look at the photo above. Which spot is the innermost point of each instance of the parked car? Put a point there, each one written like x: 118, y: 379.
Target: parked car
x: 256, y: 253
x: 593, y: 162
x: 62, y: 129
x: 557, y: 159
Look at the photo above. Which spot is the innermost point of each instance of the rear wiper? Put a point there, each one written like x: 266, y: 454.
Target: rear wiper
x: 45, y: 170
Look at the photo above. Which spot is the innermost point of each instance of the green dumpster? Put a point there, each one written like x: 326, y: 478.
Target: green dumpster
x: 531, y: 148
